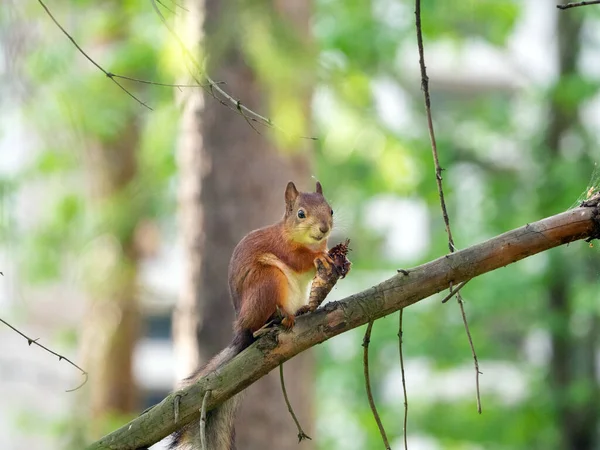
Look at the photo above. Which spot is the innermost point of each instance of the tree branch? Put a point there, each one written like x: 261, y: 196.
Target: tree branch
x: 60, y: 357
x: 337, y: 317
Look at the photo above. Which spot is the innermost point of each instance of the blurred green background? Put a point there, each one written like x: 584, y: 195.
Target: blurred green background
x: 95, y: 234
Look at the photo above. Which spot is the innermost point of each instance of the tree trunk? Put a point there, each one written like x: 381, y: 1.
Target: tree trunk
x: 112, y: 324
x: 233, y: 181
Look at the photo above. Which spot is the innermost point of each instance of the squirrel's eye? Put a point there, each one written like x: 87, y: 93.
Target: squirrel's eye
x: 332, y: 212
x: 301, y: 214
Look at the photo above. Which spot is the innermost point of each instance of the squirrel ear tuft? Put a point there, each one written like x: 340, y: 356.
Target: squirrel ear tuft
x: 291, y: 193
x: 319, y: 188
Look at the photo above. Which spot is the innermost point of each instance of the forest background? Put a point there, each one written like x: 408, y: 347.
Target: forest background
x: 114, y: 215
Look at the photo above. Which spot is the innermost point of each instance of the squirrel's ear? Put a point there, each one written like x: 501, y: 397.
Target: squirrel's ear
x: 319, y: 188
x: 291, y: 193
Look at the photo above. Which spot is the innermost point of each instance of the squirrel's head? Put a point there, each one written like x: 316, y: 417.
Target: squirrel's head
x: 308, y: 216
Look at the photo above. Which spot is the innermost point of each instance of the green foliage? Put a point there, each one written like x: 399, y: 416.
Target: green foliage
x: 88, y: 110
x: 502, y: 169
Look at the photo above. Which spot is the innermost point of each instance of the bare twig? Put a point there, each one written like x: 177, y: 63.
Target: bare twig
x: 213, y: 88
x: 576, y: 4
x: 113, y: 76
x: 454, y: 291
x: 178, y: 5
x: 166, y: 7
x: 233, y: 104
x: 301, y: 434
x: 60, y: 357
x: 89, y: 58
x: 366, y: 341
x: 203, y: 421
x: 400, y: 342
x: 155, y: 83
x: 438, y: 179
x: 476, y: 362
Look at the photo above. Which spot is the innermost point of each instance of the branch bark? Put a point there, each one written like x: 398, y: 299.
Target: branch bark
x: 337, y: 317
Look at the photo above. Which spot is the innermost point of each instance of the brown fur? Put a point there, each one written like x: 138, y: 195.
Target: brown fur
x: 266, y: 272
x: 257, y: 286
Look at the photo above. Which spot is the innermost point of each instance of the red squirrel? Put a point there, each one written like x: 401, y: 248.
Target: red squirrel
x: 270, y: 271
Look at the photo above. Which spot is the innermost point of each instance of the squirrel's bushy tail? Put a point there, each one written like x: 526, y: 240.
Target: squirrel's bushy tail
x: 219, y: 432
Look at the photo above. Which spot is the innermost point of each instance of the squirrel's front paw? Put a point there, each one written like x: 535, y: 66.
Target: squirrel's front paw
x: 324, y: 262
x: 288, y: 322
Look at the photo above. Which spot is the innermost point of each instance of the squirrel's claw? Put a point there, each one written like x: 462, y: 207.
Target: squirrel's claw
x: 288, y: 322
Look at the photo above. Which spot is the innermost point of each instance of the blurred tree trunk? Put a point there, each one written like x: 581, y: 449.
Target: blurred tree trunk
x: 233, y: 181
x: 115, y: 315
x: 573, y: 363
x: 112, y: 323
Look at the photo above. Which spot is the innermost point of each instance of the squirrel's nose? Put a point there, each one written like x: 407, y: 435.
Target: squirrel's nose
x: 323, y: 229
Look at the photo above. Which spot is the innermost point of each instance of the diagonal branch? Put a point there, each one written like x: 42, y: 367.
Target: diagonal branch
x: 337, y: 317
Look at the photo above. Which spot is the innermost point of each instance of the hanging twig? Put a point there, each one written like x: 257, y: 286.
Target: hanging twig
x: 156, y: 83
x: 234, y: 104
x: 88, y: 57
x: 213, y: 88
x: 60, y: 357
x: 203, y: 421
x: 111, y: 75
x: 301, y: 434
x: 166, y: 7
x: 438, y: 178
x: 400, y: 342
x: 576, y: 4
x: 366, y: 341
x: 176, y: 4
x: 454, y: 291
x: 477, y: 371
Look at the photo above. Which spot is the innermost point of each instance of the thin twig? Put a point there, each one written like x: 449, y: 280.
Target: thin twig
x: 438, y: 179
x: 454, y: 291
x: 213, y: 88
x: 301, y: 434
x: 60, y: 357
x: 477, y: 371
x: 203, y: 420
x: 576, y: 4
x: 111, y: 75
x: 178, y: 5
x: 155, y: 83
x: 89, y: 58
x: 166, y: 7
x: 400, y: 342
x: 366, y: 341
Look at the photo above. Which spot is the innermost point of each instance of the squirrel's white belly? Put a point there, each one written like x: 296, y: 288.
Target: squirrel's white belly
x: 298, y: 283
x: 299, y: 289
